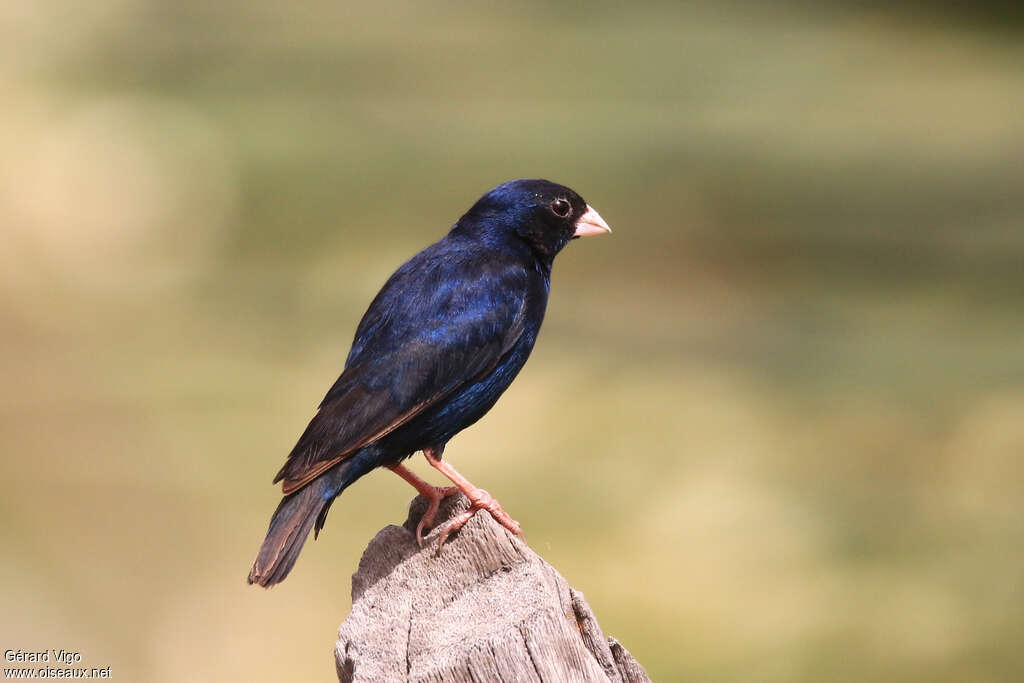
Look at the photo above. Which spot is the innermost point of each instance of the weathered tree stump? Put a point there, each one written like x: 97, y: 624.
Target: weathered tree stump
x: 486, y: 608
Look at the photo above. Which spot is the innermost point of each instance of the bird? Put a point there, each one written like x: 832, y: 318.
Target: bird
x: 442, y: 340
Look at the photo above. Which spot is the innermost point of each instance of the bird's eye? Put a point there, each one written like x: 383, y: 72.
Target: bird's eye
x: 561, y: 208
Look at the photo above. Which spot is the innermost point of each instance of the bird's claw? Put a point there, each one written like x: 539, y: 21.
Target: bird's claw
x: 427, y: 520
x: 480, y: 500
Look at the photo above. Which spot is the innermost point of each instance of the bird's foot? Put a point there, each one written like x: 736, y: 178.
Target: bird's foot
x: 479, y: 500
x: 435, y: 495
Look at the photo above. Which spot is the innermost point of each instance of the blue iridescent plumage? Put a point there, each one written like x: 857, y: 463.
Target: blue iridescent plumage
x: 442, y: 340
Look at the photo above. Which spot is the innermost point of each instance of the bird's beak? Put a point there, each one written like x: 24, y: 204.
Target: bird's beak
x: 590, y: 223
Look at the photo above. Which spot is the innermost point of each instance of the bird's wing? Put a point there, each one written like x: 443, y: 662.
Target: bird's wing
x: 423, y: 338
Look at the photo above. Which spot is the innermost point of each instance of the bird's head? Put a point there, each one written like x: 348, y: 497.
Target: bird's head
x: 539, y: 213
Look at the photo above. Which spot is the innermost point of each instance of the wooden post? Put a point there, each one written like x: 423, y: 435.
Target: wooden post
x: 486, y: 608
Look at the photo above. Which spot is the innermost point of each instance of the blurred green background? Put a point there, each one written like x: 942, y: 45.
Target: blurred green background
x: 773, y: 426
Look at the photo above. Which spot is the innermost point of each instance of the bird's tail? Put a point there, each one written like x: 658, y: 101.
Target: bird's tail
x: 290, y: 525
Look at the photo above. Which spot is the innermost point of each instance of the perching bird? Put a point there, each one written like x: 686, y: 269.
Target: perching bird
x: 441, y: 341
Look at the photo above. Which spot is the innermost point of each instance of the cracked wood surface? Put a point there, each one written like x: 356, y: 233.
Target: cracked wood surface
x: 486, y: 608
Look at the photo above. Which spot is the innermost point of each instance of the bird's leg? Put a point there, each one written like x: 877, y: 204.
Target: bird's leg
x: 434, y: 494
x: 478, y: 498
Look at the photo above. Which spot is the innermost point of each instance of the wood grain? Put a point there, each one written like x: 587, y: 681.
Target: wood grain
x: 485, y: 608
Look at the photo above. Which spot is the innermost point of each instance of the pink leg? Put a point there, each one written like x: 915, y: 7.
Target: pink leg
x: 478, y: 498
x: 432, y: 493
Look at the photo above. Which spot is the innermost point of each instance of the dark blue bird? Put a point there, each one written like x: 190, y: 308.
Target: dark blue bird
x: 439, y: 344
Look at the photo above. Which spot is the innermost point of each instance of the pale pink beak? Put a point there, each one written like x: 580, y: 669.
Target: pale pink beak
x: 590, y: 223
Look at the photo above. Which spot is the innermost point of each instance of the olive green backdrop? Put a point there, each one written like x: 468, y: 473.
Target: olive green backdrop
x: 773, y: 425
